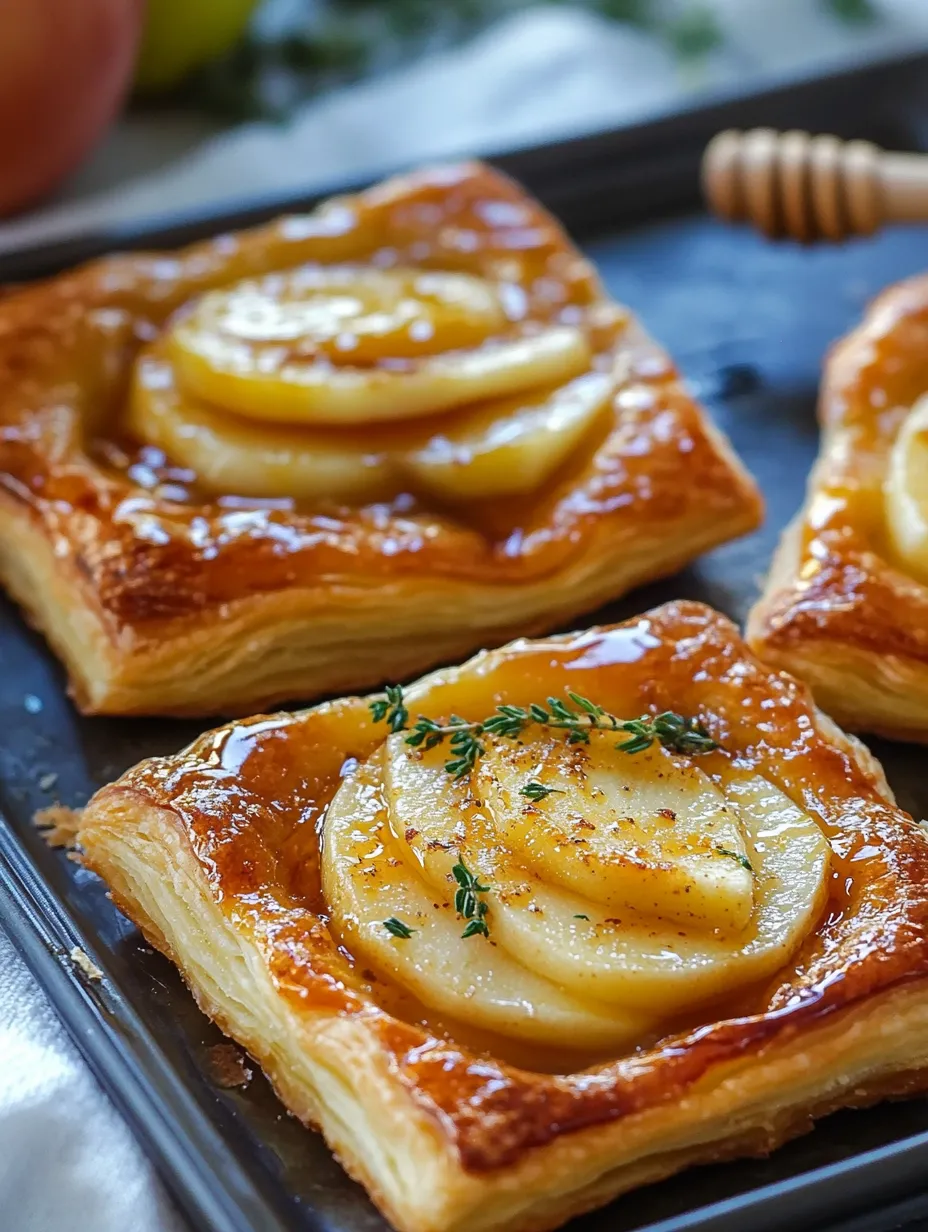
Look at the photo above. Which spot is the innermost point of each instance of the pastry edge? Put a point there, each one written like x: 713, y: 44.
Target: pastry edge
x: 883, y: 694
x: 333, y: 1073
x: 200, y: 665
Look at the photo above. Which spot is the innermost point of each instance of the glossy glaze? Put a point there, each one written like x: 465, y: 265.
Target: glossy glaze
x: 153, y: 548
x: 251, y: 798
x: 846, y: 586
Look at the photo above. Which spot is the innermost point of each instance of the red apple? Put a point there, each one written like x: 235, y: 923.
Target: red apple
x: 64, y: 68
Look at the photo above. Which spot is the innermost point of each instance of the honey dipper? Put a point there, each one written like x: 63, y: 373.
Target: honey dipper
x: 798, y: 186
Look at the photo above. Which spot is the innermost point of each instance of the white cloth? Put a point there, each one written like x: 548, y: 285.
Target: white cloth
x: 67, y: 1163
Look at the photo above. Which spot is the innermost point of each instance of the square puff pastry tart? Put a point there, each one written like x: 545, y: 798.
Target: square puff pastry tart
x: 510, y: 989
x: 338, y: 450
x: 845, y: 606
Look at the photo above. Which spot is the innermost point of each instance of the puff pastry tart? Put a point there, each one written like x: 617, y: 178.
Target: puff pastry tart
x: 846, y: 603
x: 543, y: 927
x: 339, y: 449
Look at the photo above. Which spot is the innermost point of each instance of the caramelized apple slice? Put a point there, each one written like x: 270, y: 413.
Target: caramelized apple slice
x: 906, y: 492
x: 368, y: 883
x: 508, y: 447
x: 498, y: 449
x: 662, y: 967
x: 342, y: 345
x: 229, y: 454
x: 614, y: 953
x: 644, y: 831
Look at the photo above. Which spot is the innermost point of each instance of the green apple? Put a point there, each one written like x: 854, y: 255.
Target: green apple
x: 180, y: 35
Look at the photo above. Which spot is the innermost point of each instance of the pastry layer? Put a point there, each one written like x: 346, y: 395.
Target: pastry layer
x: 162, y: 598
x: 841, y: 608
x: 215, y: 855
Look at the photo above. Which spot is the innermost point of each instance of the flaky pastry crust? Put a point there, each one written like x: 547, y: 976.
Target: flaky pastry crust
x: 214, y: 854
x: 163, y: 600
x: 836, y: 609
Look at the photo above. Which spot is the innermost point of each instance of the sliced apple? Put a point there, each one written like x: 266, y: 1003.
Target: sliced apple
x: 508, y: 447
x: 512, y: 445
x: 614, y: 953
x: 366, y: 883
x: 906, y: 492
x: 631, y: 961
x: 233, y: 455
x: 343, y: 345
x: 644, y: 831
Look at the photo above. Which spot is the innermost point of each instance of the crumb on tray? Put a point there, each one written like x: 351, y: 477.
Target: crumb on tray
x: 80, y: 960
x: 228, y: 1066
x: 59, y: 825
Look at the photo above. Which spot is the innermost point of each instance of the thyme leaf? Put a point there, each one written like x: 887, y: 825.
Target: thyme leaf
x: 396, y: 928
x: 467, y: 904
x: 533, y: 790
x: 672, y: 730
x: 736, y: 855
x: 390, y: 708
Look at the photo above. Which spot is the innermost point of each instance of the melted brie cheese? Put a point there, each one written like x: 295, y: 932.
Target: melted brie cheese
x: 626, y: 892
x: 345, y: 345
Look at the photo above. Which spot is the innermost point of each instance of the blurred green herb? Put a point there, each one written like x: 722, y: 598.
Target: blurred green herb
x: 327, y: 43
x: 694, y: 33
x: 855, y: 12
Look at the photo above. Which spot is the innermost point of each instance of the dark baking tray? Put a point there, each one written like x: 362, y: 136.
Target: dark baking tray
x: 749, y: 324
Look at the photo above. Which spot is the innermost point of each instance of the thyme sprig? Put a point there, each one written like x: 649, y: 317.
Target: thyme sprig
x: 467, y: 904
x: 674, y: 731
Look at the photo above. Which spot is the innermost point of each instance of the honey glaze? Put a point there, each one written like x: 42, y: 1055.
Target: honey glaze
x: 253, y: 798
x: 851, y: 575
x: 156, y: 542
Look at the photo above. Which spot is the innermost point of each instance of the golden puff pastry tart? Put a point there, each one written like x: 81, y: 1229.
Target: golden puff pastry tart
x: 339, y: 449
x: 545, y: 927
x: 846, y: 603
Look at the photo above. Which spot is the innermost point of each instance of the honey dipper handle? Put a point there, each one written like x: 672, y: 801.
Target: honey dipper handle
x: 806, y: 188
x: 905, y: 187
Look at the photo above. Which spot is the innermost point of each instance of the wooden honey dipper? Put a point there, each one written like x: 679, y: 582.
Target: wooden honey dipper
x: 793, y: 185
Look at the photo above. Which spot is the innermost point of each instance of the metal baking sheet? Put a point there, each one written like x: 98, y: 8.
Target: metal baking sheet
x: 748, y: 323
